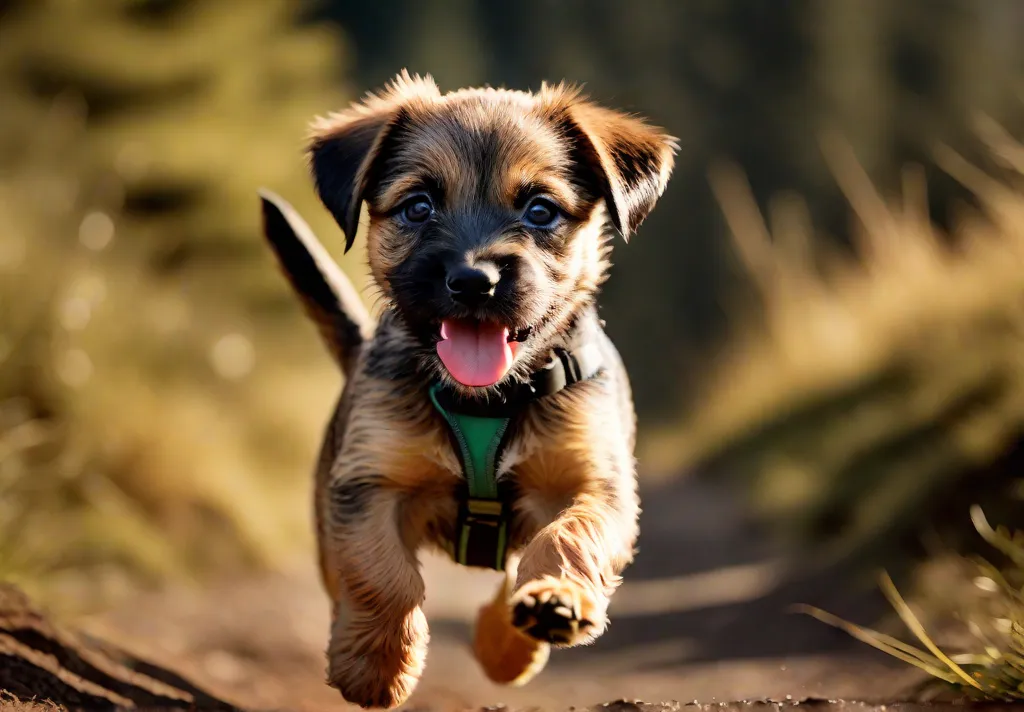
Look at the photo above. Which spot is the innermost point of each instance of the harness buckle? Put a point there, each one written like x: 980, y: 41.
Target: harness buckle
x: 482, y: 534
x: 484, y: 507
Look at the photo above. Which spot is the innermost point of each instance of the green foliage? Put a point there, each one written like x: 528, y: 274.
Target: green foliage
x: 161, y: 396
x: 188, y: 107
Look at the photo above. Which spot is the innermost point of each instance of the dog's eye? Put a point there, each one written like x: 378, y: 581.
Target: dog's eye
x: 541, y: 212
x: 417, y: 210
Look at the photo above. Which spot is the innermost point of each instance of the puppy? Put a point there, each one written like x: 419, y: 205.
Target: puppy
x: 485, y: 414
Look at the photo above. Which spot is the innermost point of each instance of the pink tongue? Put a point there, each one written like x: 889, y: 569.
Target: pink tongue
x: 475, y: 353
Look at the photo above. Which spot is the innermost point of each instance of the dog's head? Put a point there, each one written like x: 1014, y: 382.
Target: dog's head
x: 487, y: 211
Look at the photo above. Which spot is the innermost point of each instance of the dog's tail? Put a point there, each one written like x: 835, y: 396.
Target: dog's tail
x: 327, y: 295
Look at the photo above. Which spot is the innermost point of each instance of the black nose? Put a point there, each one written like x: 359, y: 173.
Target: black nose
x: 472, y: 285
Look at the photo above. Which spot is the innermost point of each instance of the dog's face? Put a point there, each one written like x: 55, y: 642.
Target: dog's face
x: 487, y: 212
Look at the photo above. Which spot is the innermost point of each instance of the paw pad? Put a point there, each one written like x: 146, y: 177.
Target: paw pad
x: 552, y: 615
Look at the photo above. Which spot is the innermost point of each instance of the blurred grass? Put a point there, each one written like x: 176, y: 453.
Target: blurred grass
x: 145, y: 431
x: 860, y: 389
x: 161, y: 396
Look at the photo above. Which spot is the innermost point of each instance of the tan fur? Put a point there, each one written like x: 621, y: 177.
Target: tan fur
x: 387, y: 468
x: 507, y: 656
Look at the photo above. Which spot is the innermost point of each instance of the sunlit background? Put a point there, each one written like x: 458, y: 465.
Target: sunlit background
x: 823, y: 318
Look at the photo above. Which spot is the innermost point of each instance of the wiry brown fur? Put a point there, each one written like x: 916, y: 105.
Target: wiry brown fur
x: 388, y: 475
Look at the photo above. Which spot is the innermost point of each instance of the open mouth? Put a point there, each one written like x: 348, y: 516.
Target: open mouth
x: 478, y: 353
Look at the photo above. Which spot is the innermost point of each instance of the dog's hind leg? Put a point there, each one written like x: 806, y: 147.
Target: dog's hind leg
x: 507, y: 656
x: 379, y: 636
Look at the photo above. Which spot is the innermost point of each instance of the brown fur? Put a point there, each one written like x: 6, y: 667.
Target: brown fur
x: 387, y: 476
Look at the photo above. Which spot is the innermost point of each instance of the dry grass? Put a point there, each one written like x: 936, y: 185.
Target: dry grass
x: 862, y: 385
x: 145, y: 431
x: 990, y: 606
x: 870, y: 383
x: 161, y: 395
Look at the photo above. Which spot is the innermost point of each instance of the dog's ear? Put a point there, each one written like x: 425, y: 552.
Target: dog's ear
x: 344, y: 147
x: 340, y: 158
x: 625, y: 159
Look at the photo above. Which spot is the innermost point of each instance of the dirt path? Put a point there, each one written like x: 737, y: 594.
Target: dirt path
x: 699, y: 618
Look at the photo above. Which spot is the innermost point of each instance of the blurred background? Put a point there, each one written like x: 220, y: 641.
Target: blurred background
x: 823, y: 317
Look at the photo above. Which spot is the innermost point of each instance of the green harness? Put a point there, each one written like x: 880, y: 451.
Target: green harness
x: 482, y: 530
x: 480, y: 431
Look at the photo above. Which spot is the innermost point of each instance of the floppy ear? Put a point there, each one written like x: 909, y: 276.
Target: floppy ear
x: 627, y: 160
x: 340, y: 160
x: 345, y: 146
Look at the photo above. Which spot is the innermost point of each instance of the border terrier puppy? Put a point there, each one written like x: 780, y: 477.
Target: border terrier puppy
x: 486, y: 413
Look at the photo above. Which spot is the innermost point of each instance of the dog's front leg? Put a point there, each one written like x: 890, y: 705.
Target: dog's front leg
x: 573, y: 565
x: 379, y: 636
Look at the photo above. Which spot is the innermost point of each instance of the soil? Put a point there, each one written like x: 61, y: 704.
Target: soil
x: 702, y: 616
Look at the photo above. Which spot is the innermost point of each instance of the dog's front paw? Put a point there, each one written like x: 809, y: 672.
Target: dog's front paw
x: 380, y: 668
x: 562, y: 613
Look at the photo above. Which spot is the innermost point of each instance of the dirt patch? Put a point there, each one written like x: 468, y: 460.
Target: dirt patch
x: 702, y: 616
